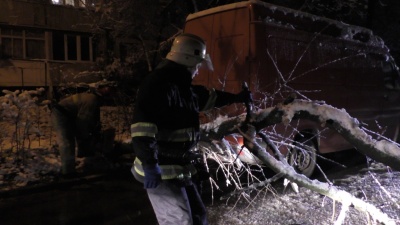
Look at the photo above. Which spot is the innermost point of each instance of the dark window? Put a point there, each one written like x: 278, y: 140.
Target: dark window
x: 74, y: 51
x: 34, y: 34
x: 12, y: 41
x: 17, y: 33
x: 18, y: 48
x: 6, y: 47
x: 22, y: 44
x: 35, y: 49
x: 34, y: 44
x: 85, y: 48
x: 71, y: 45
x: 58, y: 46
x: 6, y: 31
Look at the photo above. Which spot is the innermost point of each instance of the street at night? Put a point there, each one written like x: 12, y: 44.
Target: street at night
x: 115, y: 198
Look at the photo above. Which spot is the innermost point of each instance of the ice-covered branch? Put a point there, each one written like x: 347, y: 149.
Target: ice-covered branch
x: 323, y: 188
x: 383, y: 151
x: 339, y: 120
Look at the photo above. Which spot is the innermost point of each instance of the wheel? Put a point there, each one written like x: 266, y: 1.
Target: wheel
x: 303, y: 157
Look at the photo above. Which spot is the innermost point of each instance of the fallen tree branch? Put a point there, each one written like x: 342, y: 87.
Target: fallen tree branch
x: 323, y: 188
x: 382, y: 151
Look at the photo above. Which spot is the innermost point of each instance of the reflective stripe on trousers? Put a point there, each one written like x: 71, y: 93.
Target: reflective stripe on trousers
x: 167, y: 171
x: 174, y: 204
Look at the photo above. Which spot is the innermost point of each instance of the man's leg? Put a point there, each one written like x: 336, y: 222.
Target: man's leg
x: 170, y: 204
x: 86, y: 147
x: 198, y: 210
x: 65, y: 141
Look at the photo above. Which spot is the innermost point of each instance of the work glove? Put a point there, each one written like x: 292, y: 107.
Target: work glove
x: 244, y: 96
x: 152, y: 176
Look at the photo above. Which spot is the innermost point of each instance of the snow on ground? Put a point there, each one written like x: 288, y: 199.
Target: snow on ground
x: 277, y: 205
x: 40, y: 163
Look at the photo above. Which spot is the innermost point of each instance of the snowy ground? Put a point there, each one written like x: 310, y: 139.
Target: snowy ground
x: 276, y: 205
x: 375, y: 184
x: 38, y: 161
x: 272, y: 205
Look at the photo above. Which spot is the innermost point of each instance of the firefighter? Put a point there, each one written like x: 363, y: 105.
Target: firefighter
x: 76, y: 120
x: 166, y: 127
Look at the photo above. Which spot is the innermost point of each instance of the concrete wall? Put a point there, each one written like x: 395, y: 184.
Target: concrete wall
x: 32, y: 73
x: 23, y: 73
x: 44, y: 72
x: 21, y: 13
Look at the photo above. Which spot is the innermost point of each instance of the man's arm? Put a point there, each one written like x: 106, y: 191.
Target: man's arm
x: 209, y: 99
x: 144, y: 142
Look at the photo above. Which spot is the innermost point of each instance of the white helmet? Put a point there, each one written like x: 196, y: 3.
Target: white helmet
x: 189, y: 50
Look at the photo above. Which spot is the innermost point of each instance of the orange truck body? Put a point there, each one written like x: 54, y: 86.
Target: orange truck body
x: 278, y: 51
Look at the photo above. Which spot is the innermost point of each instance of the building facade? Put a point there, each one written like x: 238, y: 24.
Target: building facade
x: 45, y: 44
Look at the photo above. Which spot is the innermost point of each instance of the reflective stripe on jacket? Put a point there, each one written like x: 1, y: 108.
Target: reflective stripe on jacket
x: 168, y: 172
x: 143, y: 129
x: 165, y: 124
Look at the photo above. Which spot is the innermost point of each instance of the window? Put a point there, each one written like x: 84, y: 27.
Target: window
x: 71, y: 47
x: 35, y: 44
x: 6, y: 47
x: 76, y: 3
x: 85, y: 48
x: 17, y: 48
x: 69, y: 2
x: 35, y: 49
x: 22, y: 44
x: 31, y: 44
x: 58, y: 46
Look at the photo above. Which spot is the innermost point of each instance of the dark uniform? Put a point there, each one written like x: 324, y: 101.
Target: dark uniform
x: 76, y: 119
x: 165, y: 128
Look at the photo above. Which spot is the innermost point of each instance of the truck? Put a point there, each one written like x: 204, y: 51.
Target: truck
x: 279, y: 51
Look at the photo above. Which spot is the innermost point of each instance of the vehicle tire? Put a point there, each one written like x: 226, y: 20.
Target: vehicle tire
x: 303, y: 157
